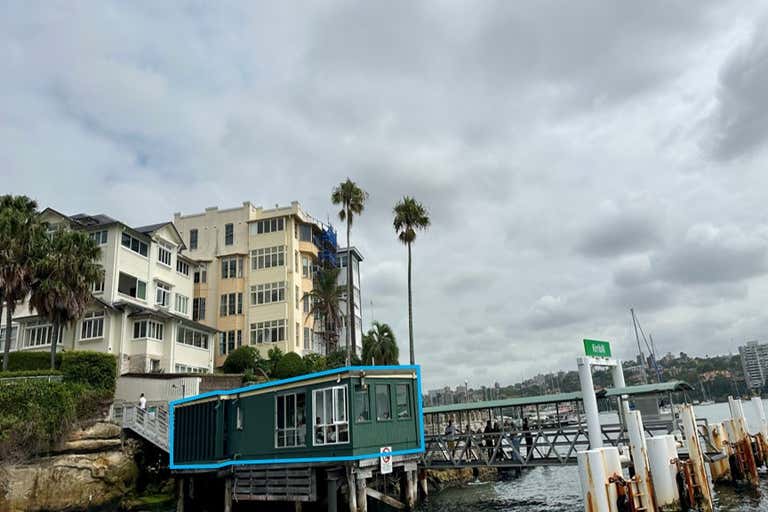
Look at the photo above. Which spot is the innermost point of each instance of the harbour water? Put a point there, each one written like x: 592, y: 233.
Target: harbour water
x: 554, y: 489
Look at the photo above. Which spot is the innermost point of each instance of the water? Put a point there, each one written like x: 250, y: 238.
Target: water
x: 557, y: 488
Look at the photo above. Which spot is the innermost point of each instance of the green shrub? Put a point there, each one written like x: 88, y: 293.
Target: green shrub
x: 242, y: 359
x: 29, y: 373
x: 338, y: 359
x: 94, y: 369
x: 315, y: 363
x: 29, y: 361
x: 290, y: 365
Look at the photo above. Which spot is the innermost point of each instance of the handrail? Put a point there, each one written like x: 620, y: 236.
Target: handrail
x: 151, y: 424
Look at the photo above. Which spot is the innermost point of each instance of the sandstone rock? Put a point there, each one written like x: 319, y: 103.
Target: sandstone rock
x: 89, y: 446
x: 98, y: 430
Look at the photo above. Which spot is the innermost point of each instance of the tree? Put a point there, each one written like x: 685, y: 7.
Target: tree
x: 273, y: 359
x: 352, y: 200
x: 379, y: 345
x: 315, y: 362
x: 290, y: 365
x: 21, y: 237
x: 64, y: 278
x: 243, y: 359
x: 338, y: 359
x: 410, y: 215
x: 324, y: 299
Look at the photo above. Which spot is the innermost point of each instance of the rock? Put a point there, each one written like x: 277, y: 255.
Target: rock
x: 66, y: 481
x: 89, y: 446
x: 98, y: 430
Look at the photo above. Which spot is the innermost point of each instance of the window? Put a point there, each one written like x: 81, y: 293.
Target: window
x: 182, y: 267
x: 92, y: 326
x: 290, y: 420
x: 232, y: 267
x: 131, y: 286
x: 296, y: 261
x: 198, y: 308
x: 36, y: 335
x: 14, y: 334
x: 222, y: 343
x: 154, y: 365
x: 98, y: 286
x: 182, y: 304
x: 229, y: 234
x: 306, y: 267
x: 268, y: 332
x: 163, y: 294
x: 239, y: 303
x: 231, y: 304
x: 268, y: 293
x: 330, y: 416
x: 100, y: 237
x: 305, y: 300
x: 383, y: 407
x: 164, y: 255
x: 305, y: 233
x: 134, y: 244
x: 307, y: 338
x: 191, y: 337
x: 402, y: 401
x: 362, y: 404
x: 230, y: 340
x: 268, y: 226
x: 342, y: 261
x: 147, y: 329
x: 192, y: 239
x: 268, y: 257
x: 183, y: 368
x: 201, y: 274
x: 297, y: 297
x: 298, y: 333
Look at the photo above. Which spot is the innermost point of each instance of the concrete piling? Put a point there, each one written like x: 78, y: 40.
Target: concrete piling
x: 596, y: 469
x: 696, y: 458
x: 662, y: 452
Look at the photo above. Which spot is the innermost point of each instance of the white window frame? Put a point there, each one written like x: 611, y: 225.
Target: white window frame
x: 139, y: 243
x: 152, y: 329
x: 92, y: 326
x: 144, y: 298
x: 163, y: 289
x: 182, y: 267
x: 100, y: 237
x: 335, y: 423
x: 164, y: 252
x: 260, y: 330
x: 98, y: 286
x: 268, y: 257
x: 267, y: 291
x: 192, y: 337
x: 298, y: 432
x: 182, y: 303
x: 36, y: 335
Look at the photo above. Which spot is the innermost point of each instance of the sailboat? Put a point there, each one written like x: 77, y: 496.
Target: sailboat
x: 706, y: 401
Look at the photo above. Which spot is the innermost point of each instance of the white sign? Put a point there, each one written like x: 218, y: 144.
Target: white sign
x: 386, y: 460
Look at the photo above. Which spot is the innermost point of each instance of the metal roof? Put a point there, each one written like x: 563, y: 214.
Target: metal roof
x: 647, y: 389
x: 644, y: 389
x: 507, y: 402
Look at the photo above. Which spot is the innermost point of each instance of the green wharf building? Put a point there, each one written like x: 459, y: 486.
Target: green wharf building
x: 335, y: 415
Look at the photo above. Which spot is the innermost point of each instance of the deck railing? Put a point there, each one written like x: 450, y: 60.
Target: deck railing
x: 150, y: 423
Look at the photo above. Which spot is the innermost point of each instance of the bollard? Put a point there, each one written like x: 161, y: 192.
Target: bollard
x: 596, y: 469
x: 761, y: 437
x: 662, y: 451
x: 696, y: 457
x: 720, y: 469
x: 639, y: 452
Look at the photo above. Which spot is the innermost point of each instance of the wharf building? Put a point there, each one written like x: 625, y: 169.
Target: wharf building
x: 754, y: 361
x: 141, y: 312
x: 255, y: 271
x: 357, y: 305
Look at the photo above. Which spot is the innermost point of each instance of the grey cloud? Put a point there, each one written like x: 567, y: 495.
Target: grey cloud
x: 740, y: 123
x: 620, y: 233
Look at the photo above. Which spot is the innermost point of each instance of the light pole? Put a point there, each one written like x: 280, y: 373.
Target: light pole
x: 466, y: 391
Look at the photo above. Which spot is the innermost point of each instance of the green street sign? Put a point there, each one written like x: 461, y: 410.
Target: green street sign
x: 596, y: 348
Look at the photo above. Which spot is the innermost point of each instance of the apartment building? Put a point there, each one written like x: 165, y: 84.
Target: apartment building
x: 255, y: 267
x: 754, y: 361
x: 141, y: 311
x: 357, y: 326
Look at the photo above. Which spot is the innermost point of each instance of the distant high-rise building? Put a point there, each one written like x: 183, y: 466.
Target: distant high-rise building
x: 754, y: 361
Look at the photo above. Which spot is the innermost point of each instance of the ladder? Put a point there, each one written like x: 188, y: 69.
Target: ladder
x: 635, y: 501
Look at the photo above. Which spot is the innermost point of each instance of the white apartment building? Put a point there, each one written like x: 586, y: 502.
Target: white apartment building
x: 255, y: 268
x: 754, y: 361
x: 142, y: 311
x: 357, y: 305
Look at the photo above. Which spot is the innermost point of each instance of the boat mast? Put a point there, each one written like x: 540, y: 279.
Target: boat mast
x: 639, y: 347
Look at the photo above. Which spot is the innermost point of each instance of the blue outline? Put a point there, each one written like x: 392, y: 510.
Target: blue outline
x: 174, y: 403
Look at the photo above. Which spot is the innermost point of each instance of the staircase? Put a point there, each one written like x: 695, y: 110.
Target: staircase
x: 150, y: 423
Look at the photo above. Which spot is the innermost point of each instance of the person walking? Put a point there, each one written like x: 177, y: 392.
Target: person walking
x: 142, y: 402
x: 488, y: 439
x: 528, y: 438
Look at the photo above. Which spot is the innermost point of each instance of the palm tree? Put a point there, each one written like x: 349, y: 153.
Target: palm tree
x: 352, y: 200
x: 21, y: 236
x: 324, y: 298
x: 410, y: 215
x: 65, y: 278
x: 379, y: 345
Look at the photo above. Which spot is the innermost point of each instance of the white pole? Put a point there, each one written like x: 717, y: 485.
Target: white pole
x: 618, y: 382
x: 757, y: 403
x: 590, y: 402
x: 662, y: 450
x: 639, y: 452
x: 595, y: 469
x: 696, y: 456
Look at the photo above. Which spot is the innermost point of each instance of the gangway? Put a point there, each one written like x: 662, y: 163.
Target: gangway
x: 150, y: 423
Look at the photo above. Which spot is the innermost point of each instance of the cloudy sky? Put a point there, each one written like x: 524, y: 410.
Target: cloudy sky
x: 577, y: 158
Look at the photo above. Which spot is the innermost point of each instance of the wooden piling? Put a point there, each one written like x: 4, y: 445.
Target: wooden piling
x: 228, y: 494
x: 423, y: 484
x: 351, y: 489
x: 180, y: 494
x: 331, y: 489
x: 362, y: 496
x: 410, y: 488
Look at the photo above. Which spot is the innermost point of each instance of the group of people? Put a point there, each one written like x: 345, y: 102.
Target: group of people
x: 489, y: 442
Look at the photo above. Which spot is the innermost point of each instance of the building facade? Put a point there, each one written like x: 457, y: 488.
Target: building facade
x: 141, y: 312
x: 255, y: 270
x: 754, y: 361
x: 357, y: 305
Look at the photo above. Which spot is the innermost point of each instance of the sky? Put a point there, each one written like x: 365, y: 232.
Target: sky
x: 576, y: 158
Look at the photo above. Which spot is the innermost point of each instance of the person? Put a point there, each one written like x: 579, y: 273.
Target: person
x: 142, y: 402
x: 528, y: 438
x: 319, y: 439
x: 489, y: 440
x: 450, y: 431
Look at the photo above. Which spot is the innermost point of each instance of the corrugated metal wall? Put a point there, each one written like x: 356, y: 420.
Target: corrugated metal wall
x: 129, y: 389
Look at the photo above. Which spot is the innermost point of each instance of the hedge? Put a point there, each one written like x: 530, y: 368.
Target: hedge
x: 290, y: 365
x: 29, y: 373
x: 94, y: 369
x: 28, y: 361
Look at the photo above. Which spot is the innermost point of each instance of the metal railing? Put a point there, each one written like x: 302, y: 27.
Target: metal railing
x: 46, y: 378
x: 150, y: 423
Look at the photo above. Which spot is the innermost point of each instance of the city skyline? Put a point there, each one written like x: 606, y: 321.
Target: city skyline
x: 569, y: 174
